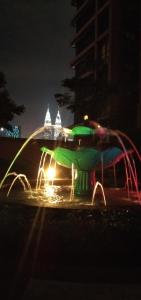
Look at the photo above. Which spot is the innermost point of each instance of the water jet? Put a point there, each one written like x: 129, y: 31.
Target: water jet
x: 84, y: 159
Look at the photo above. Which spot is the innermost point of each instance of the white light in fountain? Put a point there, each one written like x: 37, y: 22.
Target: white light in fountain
x: 49, y: 191
x: 51, y: 194
x: 75, y: 174
x: 50, y: 173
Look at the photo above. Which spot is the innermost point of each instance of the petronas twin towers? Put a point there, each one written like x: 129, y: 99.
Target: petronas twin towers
x: 52, y: 130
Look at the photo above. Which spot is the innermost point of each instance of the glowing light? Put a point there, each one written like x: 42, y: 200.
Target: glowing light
x: 49, y: 191
x: 86, y: 117
x: 2, y: 129
x: 50, y: 173
x: 75, y: 174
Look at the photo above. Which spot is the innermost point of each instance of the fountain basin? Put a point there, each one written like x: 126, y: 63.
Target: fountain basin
x: 72, y: 241
x: 115, y: 198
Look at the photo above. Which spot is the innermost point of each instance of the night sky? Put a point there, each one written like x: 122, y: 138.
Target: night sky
x: 35, y: 55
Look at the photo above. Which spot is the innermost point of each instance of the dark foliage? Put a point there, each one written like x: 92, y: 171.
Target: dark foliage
x: 8, y: 108
x: 85, y: 94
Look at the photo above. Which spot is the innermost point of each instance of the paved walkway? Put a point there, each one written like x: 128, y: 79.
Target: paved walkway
x: 54, y: 290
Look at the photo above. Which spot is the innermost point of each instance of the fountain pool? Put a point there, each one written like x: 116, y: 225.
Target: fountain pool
x: 92, y: 155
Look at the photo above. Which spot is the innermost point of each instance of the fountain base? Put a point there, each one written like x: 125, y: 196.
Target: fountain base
x: 82, y: 184
x: 115, y: 198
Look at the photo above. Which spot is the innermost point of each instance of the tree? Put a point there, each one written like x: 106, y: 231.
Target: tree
x: 8, y: 108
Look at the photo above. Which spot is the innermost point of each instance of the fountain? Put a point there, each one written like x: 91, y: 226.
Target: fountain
x: 91, y: 152
x: 84, y: 228
x: 72, y: 229
x: 84, y: 161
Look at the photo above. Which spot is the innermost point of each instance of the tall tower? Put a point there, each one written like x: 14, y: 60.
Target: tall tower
x: 58, y: 120
x: 58, y: 125
x: 47, y: 118
x: 48, y: 124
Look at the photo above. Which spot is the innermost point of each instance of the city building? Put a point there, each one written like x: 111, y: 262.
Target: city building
x: 58, y: 126
x: 52, y: 131
x: 106, y: 43
x: 48, y: 121
x: 48, y: 134
x: 15, y: 132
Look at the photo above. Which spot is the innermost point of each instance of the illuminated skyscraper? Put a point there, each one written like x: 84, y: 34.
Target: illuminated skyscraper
x: 52, y: 131
x: 58, y: 126
x: 47, y: 118
x: 58, y: 120
x: 47, y: 123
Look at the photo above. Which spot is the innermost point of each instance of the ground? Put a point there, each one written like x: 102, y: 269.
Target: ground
x: 45, y: 252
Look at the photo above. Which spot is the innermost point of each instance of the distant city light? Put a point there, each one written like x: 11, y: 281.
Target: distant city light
x: 15, y: 132
x: 86, y: 117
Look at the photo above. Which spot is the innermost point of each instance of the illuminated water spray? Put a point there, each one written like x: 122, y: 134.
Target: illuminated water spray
x: 33, y: 135
x: 83, y: 162
x: 98, y: 185
x: 23, y: 180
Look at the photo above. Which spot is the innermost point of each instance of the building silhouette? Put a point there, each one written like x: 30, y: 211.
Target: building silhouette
x: 106, y: 42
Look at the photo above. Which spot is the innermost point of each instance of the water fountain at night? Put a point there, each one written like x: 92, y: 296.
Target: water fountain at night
x: 88, y: 160
x: 80, y: 216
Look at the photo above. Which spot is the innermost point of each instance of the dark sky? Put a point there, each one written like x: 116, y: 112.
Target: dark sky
x: 35, y: 54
